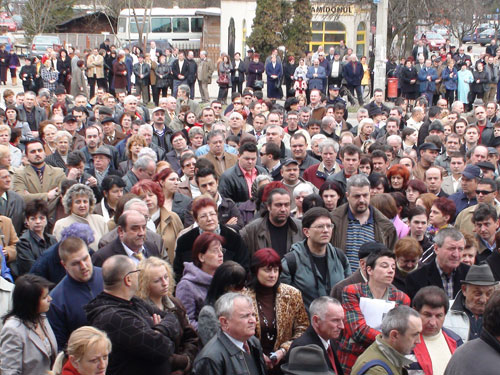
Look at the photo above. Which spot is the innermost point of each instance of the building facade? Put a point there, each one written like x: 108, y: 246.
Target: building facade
x: 332, y: 21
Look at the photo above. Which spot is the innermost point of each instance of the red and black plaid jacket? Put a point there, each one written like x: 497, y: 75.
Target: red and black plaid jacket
x: 357, y: 334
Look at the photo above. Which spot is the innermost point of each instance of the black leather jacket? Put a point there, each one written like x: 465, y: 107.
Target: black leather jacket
x: 221, y: 357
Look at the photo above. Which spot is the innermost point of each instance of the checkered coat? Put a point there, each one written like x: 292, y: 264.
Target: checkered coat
x: 357, y: 334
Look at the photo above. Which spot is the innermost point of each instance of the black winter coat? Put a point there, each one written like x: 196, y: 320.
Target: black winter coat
x: 254, y: 72
x: 236, y: 249
x: 29, y: 248
x: 187, y: 342
x: 484, y: 80
x: 163, y: 75
x: 64, y: 68
x: 220, y: 356
x: 232, y: 184
x: 139, y: 346
x: 406, y: 76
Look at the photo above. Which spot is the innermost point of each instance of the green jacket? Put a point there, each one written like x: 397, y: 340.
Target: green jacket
x: 381, y: 351
x: 304, y: 278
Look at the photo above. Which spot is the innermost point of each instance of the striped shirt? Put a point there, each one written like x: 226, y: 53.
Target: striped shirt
x: 357, y: 235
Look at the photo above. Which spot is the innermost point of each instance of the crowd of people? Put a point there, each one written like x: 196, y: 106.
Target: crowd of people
x: 251, y: 238
x: 452, y: 73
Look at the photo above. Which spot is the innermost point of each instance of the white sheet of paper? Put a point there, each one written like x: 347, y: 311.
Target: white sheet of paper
x: 374, y: 310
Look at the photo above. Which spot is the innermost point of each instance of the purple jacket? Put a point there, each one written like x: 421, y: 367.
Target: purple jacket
x: 192, y: 291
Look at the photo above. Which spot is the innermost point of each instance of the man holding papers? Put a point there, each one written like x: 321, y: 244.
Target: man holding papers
x: 375, y: 298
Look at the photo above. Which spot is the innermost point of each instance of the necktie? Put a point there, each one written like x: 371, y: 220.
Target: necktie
x: 246, y: 347
x: 139, y: 256
x: 3, y: 204
x: 40, y: 175
x: 332, y: 358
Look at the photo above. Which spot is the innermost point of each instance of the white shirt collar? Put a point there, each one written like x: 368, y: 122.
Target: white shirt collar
x: 131, y: 253
x: 325, y: 343
x: 239, y: 344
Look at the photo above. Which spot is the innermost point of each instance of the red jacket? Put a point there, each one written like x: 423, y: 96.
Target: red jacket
x: 422, y: 355
x: 315, y: 174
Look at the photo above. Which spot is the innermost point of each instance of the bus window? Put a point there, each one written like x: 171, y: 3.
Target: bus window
x: 133, y: 25
x: 181, y: 25
x: 196, y: 25
x: 122, y: 24
x: 161, y: 25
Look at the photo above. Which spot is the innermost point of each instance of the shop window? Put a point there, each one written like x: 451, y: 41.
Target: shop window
x: 244, y: 38
x: 327, y: 34
x: 361, y: 39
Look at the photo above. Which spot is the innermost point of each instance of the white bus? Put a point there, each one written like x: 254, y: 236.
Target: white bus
x: 182, y: 27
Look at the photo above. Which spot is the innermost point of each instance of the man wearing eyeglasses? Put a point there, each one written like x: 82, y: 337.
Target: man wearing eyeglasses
x: 314, y: 265
x: 486, y: 192
x: 216, y: 105
x: 141, y: 339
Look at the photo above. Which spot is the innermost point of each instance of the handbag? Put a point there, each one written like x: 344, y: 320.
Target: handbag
x: 223, y: 79
x: 258, y: 84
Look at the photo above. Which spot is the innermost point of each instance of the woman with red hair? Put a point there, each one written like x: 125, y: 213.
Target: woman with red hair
x: 174, y: 201
x: 207, y: 255
x: 279, y: 309
x: 205, y: 215
x: 398, y: 176
x: 166, y: 223
x: 442, y: 214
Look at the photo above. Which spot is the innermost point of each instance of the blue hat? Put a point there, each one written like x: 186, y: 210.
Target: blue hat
x: 472, y: 171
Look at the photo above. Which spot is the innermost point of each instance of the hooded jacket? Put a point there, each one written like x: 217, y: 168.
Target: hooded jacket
x: 192, y: 290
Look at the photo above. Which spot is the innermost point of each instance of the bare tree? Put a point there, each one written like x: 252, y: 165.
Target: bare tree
x: 464, y: 16
x: 404, y: 18
x: 43, y: 16
x: 146, y: 18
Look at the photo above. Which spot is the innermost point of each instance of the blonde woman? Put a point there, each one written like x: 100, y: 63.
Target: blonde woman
x: 48, y: 133
x: 88, y: 352
x: 135, y: 143
x: 15, y: 153
x: 156, y: 287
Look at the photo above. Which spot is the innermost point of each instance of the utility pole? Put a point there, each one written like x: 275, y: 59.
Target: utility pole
x: 381, y: 44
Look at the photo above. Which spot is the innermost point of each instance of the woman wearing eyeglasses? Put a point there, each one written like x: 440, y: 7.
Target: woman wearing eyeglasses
x: 205, y: 215
x: 208, y: 255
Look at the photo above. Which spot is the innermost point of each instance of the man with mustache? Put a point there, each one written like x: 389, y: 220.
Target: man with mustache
x: 357, y: 222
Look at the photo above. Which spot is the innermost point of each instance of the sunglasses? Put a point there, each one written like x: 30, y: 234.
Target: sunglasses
x: 483, y: 192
